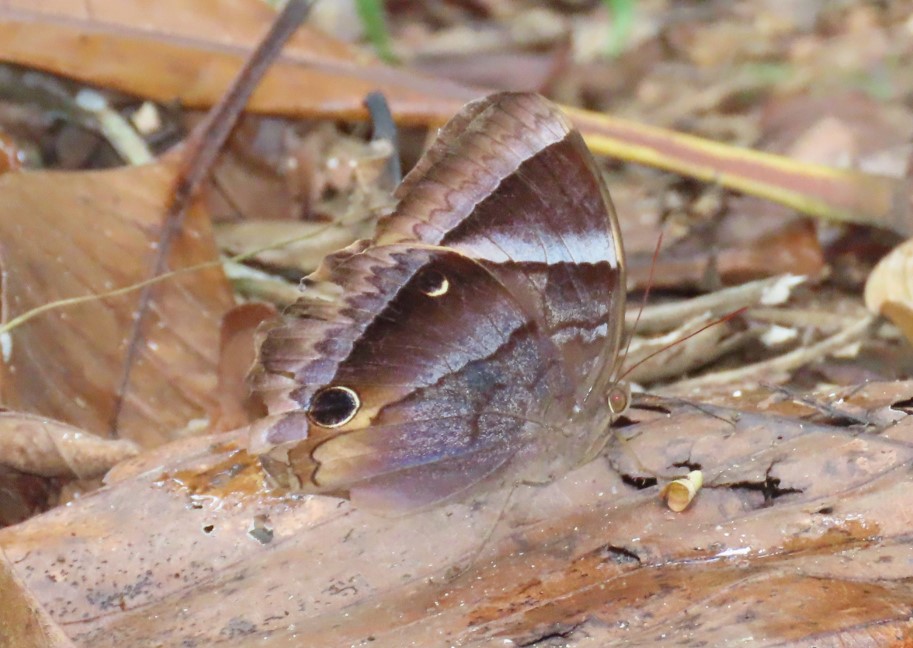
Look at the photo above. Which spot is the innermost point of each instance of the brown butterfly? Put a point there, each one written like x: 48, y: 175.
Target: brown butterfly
x: 473, y: 340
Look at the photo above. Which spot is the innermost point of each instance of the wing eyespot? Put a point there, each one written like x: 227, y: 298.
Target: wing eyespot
x: 333, y: 406
x: 433, y: 283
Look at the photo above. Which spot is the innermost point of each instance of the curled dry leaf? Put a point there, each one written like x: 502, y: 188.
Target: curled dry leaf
x: 889, y: 288
x: 41, y: 446
x: 677, y: 354
x: 81, y: 234
x: 679, y: 493
x: 780, y: 367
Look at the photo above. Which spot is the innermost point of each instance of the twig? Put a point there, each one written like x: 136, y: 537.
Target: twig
x: 234, y: 261
x: 385, y: 130
x: 781, y: 364
x: 251, y: 282
x: 682, y: 355
x: 824, y: 321
x: 88, y: 108
x: 664, y: 317
x: 201, y: 149
x: 117, y: 130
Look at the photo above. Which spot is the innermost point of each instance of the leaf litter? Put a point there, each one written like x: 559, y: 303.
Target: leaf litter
x: 798, y: 533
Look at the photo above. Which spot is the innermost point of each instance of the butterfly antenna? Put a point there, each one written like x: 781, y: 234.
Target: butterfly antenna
x: 643, y: 304
x: 721, y: 320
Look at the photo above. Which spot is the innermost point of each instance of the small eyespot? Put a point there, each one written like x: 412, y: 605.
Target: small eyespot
x: 619, y: 399
x: 333, y: 406
x: 433, y: 283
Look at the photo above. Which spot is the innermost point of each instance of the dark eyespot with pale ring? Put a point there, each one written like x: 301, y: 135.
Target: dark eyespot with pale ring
x: 333, y: 406
x: 433, y: 283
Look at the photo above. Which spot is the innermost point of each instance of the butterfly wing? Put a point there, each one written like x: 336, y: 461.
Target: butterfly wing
x: 441, y: 379
x: 481, y: 319
x: 510, y: 182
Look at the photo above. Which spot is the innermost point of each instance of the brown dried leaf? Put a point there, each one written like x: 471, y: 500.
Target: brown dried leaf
x: 65, y: 235
x: 520, y: 71
x: 177, y: 51
x: 41, y: 446
x: 25, y: 624
x: 237, y: 354
x: 750, y: 245
x: 849, y: 129
x: 889, y: 288
x: 189, y: 51
x: 798, y: 536
x: 274, y: 169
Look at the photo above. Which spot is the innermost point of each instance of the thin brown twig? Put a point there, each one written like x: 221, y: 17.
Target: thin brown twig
x: 200, y: 151
x: 781, y: 364
x: 663, y: 317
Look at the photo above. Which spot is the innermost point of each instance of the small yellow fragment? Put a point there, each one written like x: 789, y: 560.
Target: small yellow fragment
x: 679, y: 493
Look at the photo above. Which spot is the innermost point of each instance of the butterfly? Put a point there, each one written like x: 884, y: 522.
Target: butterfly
x: 472, y: 341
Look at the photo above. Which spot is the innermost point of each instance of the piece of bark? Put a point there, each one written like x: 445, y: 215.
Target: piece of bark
x: 23, y: 622
x: 199, y: 552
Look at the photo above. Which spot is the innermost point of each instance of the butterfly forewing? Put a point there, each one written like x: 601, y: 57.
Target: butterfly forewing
x: 475, y: 334
x: 510, y: 183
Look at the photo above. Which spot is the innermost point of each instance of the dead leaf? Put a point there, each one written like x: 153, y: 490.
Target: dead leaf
x: 889, y: 288
x: 26, y: 624
x: 277, y: 169
x: 595, y: 554
x: 10, y: 154
x: 520, y: 71
x: 80, y: 234
x: 747, y: 248
x: 40, y: 446
x: 173, y: 50
x: 237, y: 353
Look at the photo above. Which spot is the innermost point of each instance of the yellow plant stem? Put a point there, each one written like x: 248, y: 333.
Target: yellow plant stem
x: 833, y: 194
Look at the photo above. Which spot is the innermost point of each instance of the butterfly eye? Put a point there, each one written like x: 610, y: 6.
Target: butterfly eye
x: 433, y: 283
x: 619, y: 399
x: 333, y: 406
